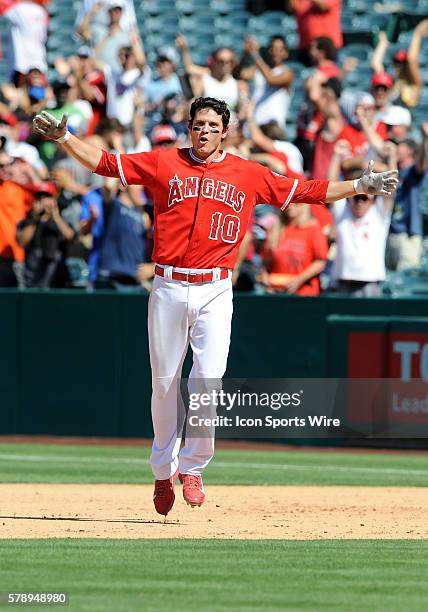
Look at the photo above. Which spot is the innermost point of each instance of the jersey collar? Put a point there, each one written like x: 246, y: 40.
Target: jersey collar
x: 202, y: 161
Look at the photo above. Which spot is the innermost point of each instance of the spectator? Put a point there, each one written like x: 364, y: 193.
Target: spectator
x: 408, y: 85
x: 217, y: 80
x: 362, y: 225
x: 361, y: 228
x: 92, y: 21
x: 28, y: 24
x: 310, y: 118
x: 118, y: 225
x: 405, y: 238
x: 382, y: 84
x: 235, y: 141
x: 65, y: 102
x: 331, y: 128
x: 107, y: 49
x: 14, y: 201
x: 270, y: 138
x: 163, y: 135
x: 272, y: 80
x: 31, y: 96
x: 10, y: 143
x: 323, y: 55
x: 296, y: 253
x: 88, y: 80
x: 398, y: 121
x: 316, y: 18
x: 44, y: 235
x: 123, y: 85
x: 163, y: 85
x: 174, y: 111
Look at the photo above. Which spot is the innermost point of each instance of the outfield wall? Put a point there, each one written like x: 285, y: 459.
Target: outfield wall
x: 77, y: 363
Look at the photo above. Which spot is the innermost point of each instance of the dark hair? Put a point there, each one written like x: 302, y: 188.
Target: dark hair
x: 218, y: 106
x: 335, y: 85
x: 106, y: 126
x: 273, y: 131
x: 409, y: 142
x: 278, y: 37
x: 326, y: 45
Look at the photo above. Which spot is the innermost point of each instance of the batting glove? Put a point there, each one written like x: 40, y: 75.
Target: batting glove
x: 377, y: 183
x: 49, y: 127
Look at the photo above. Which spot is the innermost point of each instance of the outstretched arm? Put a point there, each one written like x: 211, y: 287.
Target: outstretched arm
x: 374, y: 183
x: 49, y: 127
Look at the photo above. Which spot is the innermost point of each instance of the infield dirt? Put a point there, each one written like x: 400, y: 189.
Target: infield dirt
x: 242, y: 512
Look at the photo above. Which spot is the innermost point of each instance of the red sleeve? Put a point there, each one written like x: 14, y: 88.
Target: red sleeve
x: 280, y: 191
x: 130, y: 168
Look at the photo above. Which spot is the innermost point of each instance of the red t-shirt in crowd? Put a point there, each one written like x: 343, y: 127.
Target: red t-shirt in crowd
x: 312, y: 22
x: 329, y: 69
x: 323, y: 150
x: 14, y: 204
x: 299, y: 247
x: 201, y: 211
x: 98, y: 104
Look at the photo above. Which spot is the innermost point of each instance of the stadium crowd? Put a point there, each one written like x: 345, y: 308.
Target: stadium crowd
x: 61, y: 226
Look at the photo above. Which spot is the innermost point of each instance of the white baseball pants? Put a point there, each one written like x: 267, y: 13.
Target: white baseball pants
x: 181, y: 313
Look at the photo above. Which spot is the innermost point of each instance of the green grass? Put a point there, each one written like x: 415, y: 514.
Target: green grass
x: 103, y: 575
x: 108, y: 464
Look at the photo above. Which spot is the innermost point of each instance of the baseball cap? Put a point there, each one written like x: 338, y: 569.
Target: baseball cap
x: 46, y: 188
x: 168, y: 53
x: 400, y: 56
x: 382, y: 79
x: 396, y: 115
x: 163, y: 133
x: 84, y: 51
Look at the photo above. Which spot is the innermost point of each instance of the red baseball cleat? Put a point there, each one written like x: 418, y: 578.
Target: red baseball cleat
x: 193, y: 489
x: 164, y: 496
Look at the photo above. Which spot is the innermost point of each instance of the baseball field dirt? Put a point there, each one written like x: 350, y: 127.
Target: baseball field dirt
x: 239, y: 512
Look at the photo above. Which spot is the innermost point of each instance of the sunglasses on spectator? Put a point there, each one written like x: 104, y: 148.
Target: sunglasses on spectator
x: 361, y: 198
x: 221, y: 60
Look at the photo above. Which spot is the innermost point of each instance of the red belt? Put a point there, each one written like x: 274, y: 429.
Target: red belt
x: 193, y: 277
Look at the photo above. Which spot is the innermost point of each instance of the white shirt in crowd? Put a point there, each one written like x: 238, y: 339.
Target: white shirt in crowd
x: 361, y: 242
x: 226, y: 90
x: 271, y: 102
x: 121, y: 90
x: 100, y: 21
x: 294, y: 157
x: 27, y: 37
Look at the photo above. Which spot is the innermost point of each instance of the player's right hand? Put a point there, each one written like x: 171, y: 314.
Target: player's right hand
x: 45, y: 124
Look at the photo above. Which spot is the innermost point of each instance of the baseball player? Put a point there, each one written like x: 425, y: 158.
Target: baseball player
x: 203, y: 200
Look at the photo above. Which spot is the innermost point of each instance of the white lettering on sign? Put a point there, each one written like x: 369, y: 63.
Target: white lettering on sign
x: 406, y: 350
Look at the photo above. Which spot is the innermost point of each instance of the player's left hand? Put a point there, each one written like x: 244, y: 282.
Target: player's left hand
x: 48, y: 126
x: 377, y: 183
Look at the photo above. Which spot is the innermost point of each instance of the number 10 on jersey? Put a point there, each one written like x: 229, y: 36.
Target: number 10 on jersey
x: 225, y: 227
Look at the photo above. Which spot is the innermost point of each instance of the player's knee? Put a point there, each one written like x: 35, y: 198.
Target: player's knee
x: 162, y: 386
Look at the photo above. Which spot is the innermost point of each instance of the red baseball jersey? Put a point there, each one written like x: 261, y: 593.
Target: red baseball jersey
x: 201, y: 211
